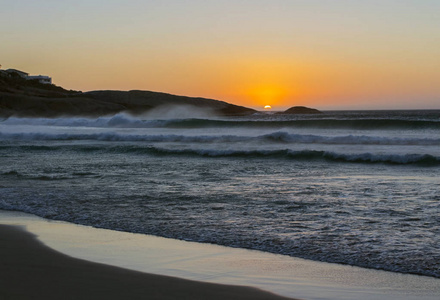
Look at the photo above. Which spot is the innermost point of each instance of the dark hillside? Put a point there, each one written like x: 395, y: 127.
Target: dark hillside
x: 28, y: 98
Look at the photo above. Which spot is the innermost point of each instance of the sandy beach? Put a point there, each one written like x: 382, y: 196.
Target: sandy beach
x: 44, y: 259
x: 31, y: 270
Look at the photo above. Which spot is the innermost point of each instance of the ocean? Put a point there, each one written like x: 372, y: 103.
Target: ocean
x: 352, y: 187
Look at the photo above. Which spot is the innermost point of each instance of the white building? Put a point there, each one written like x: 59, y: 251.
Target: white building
x: 24, y: 75
x: 40, y: 78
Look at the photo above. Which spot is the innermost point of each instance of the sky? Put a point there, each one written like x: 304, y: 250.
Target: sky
x: 328, y: 54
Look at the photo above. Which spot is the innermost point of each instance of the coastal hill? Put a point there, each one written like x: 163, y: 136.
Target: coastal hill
x: 31, y: 98
x: 301, y: 110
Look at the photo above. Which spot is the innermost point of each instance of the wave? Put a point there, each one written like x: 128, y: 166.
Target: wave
x: 117, y: 121
x: 285, y: 137
x: 308, y: 155
x: 275, y: 137
x: 286, y: 154
x: 35, y: 177
x: 47, y: 177
x: 309, y: 123
x: 11, y: 173
x: 127, y: 121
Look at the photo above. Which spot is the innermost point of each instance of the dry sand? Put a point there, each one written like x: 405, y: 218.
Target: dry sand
x: 31, y: 270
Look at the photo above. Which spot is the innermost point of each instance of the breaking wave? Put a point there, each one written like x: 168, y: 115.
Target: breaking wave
x: 286, y: 154
x: 407, y: 159
x: 275, y: 137
x: 309, y: 123
x: 127, y: 121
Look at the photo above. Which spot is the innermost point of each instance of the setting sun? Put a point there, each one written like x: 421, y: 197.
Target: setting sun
x: 261, y: 94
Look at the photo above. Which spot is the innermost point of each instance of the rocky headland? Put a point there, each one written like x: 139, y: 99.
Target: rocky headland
x: 29, y: 98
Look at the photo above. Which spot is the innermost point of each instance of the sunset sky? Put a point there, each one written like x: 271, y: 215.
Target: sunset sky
x: 347, y: 54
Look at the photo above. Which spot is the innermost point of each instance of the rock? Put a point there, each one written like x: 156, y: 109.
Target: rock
x: 301, y: 110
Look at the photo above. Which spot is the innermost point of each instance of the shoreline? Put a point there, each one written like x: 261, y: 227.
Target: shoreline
x: 287, y: 276
x: 29, y: 269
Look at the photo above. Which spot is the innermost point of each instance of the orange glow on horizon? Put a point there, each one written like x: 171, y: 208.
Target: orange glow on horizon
x: 263, y: 94
x: 299, y: 57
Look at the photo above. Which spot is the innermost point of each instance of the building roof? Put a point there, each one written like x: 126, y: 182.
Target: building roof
x: 17, y: 71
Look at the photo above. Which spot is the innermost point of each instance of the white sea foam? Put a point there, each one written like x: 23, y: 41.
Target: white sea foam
x: 154, y: 118
x: 118, y: 120
x: 275, y: 137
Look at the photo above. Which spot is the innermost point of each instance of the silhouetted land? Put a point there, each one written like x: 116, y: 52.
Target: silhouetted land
x: 301, y: 110
x: 28, y: 98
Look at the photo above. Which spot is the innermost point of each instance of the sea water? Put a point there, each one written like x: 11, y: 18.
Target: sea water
x: 359, y: 188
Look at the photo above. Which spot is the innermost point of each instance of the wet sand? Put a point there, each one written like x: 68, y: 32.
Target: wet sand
x: 31, y: 270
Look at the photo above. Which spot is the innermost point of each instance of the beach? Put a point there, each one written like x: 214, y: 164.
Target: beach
x: 43, y: 259
x: 30, y: 270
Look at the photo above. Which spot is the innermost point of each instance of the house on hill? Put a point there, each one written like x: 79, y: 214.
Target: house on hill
x: 17, y: 72
x: 40, y: 78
